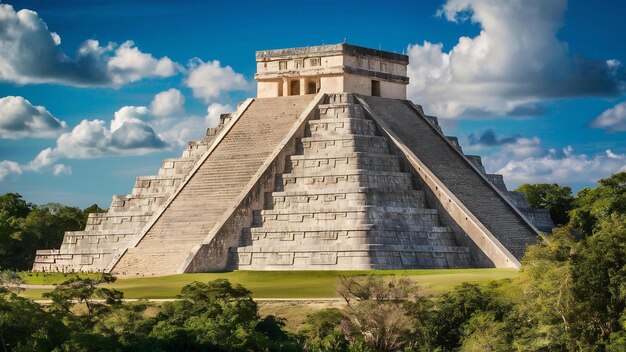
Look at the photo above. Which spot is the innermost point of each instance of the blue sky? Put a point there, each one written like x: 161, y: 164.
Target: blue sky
x: 535, y: 87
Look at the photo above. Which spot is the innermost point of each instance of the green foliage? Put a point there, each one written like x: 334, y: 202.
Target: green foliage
x: 599, y: 273
x: 557, y: 199
x: 545, y: 293
x: 323, y: 331
x: 591, y: 205
x: 443, y: 322
x: 376, y: 319
x: 215, y: 316
x: 12, y: 204
x: 11, y: 280
x: 570, y: 295
x: 25, y: 227
x: 25, y: 326
x: 483, y: 332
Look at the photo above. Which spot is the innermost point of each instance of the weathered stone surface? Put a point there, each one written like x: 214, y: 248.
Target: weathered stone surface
x: 106, y: 234
x: 475, y: 192
x: 345, y: 204
x: 332, y: 181
x: 232, y: 163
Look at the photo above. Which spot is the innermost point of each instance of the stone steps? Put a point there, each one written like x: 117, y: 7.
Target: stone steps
x: 314, y: 146
x: 216, y: 183
x: 311, y: 164
x: 336, y: 228
x: 176, y: 166
x: 348, y: 260
x: 316, y: 238
x: 347, y: 180
x: 147, y: 203
x: 328, y: 199
x: 93, y: 248
x: 340, y: 127
x: 341, y: 111
x: 380, y: 216
x: 343, y: 202
x: 458, y: 174
x: 366, y: 247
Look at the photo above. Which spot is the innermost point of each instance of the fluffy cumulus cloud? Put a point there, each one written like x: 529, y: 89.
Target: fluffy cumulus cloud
x: 19, y: 119
x: 60, y: 169
x: 209, y: 80
x: 128, y: 133
x: 30, y: 53
x: 510, y: 67
x: 8, y: 168
x: 214, y: 111
x: 180, y: 131
x: 526, y: 161
x: 167, y: 103
x: 130, y: 115
x: 613, y: 119
x: 133, y: 130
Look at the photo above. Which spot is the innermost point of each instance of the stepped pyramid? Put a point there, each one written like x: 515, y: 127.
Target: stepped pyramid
x: 329, y: 168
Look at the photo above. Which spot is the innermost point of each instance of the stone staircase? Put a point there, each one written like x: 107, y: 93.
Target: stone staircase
x: 345, y: 197
x: 484, y: 195
x: 107, y: 233
x: 219, y: 179
x: 345, y: 202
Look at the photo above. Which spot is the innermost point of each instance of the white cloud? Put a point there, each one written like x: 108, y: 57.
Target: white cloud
x: 19, y: 119
x: 167, y: 103
x: 214, y: 111
x: 209, y: 80
x: 130, y: 114
x: 130, y: 65
x: 133, y: 130
x: 514, y: 63
x: 8, y: 168
x: 525, y: 161
x: 180, y: 132
x: 613, y: 119
x: 30, y: 53
x: 60, y: 169
x: 127, y: 134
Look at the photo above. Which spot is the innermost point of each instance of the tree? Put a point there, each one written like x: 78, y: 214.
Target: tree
x: 376, y: 314
x: 212, y: 316
x: 599, y: 274
x: 591, y: 205
x: 12, y: 204
x: 323, y: 331
x: 13, y: 211
x: 557, y: 199
x: 484, y: 333
x: 25, y: 326
x: 11, y: 280
x: 85, y: 291
x: 546, y: 297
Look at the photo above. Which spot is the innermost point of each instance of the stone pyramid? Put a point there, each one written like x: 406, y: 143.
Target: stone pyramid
x: 320, y: 172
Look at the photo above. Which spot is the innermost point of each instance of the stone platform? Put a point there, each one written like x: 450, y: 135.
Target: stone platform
x: 310, y: 182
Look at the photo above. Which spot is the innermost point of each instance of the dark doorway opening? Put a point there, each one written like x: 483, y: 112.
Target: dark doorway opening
x: 294, y: 87
x: 375, y: 88
x: 311, y: 87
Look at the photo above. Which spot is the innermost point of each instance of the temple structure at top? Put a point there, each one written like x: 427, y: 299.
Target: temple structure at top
x: 337, y: 68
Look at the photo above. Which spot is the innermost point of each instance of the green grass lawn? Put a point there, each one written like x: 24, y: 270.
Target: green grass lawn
x: 36, y: 278
x: 282, y: 284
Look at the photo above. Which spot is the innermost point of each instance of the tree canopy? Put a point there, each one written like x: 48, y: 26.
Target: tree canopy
x: 25, y: 227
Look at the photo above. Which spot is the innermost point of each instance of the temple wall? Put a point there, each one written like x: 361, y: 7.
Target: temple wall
x: 363, y: 85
